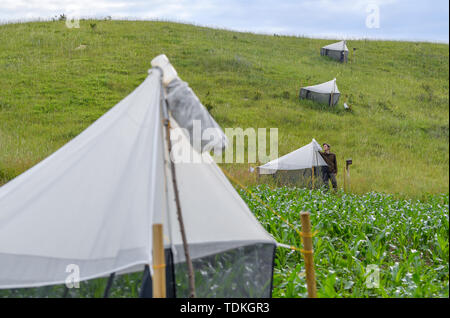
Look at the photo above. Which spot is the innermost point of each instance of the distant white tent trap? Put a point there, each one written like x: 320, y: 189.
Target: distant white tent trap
x: 300, y: 167
x: 337, y: 51
x: 93, y: 202
x: 325, y: 93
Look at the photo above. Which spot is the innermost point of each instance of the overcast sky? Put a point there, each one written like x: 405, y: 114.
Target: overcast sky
x: 381, y: 19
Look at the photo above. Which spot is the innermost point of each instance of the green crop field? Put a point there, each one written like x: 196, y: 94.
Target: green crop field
x: 56, y: 81
x: 406, y: 239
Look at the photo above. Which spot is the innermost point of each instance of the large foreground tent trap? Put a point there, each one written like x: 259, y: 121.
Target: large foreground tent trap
x: 301, y: 167
x: 93, y: 202
x: 325, y: 93
x: 337, y: 51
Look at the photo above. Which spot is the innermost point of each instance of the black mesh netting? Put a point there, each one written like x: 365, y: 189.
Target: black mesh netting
x: 302, y: 178
x: 242, y: 272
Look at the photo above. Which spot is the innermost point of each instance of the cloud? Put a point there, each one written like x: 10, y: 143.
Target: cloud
x: 399, y: 19
x: 17, y: 9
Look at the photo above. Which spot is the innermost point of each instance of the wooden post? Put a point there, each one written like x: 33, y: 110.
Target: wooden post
x: 308, y: 255
x: 191, y: 274
x: 159, y: 266
x: 345, y: 178
x: 332, y: 93
x: 348, y: 162
x: 347, y: 172
x: 258, y: 177
x: 312, y: 177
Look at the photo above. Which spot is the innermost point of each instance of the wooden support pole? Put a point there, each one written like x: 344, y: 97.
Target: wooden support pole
x: 166, y: 123
x: 332, y: 93
x: 345, y: 179
x: 191, y: 275
x: 159, y: 266
x: 347, y: 172
x: 308, y: 254
x: 108, y: 285
x: 312, y: 177
x: 348, y: 162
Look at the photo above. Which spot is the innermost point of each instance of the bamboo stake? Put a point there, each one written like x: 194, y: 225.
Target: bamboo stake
x: 308, y: 254
x: 312, y: 177
x: 159, y: 266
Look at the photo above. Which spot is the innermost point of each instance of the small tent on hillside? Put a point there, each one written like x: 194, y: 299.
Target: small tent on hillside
x: 337, y: 51
x: 93, y: 202
x: 325, y: 93
x: 301, y: 167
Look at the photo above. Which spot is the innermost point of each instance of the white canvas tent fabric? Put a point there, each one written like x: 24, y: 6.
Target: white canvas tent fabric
x: 325, y: 93
x: 324, y: 88
x: 305, y: 157
x: 338, y: 46
x: 93, y: 202
x: 337, y: 51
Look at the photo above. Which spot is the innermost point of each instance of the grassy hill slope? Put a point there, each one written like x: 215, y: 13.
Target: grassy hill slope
x: 397, y: 132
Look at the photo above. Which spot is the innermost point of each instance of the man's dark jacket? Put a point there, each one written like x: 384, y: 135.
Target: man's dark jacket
x: 330, y: 159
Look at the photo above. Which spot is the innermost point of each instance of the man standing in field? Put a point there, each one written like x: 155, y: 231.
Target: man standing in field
x: 330, y: 171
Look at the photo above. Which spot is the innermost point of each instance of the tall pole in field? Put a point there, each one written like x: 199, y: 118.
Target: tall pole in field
x: 343, y: 49
x: 348, y: 177
x: 308, y: 255
x: 348, y: 162
x: 332, y: 93
x: 345, y: 179
x: 159, y: 266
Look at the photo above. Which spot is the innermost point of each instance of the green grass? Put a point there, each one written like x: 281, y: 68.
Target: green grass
x: 397, y: 132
